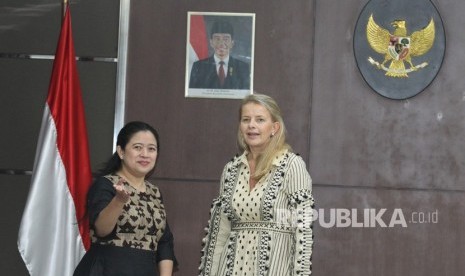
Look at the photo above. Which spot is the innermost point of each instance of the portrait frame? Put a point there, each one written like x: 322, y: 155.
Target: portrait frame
x: 200, y: 52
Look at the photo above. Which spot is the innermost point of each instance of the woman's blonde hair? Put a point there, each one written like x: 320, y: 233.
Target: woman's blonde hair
x: 277, y: 142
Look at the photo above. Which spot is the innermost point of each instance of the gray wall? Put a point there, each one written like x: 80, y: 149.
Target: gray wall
x: 363, y: 151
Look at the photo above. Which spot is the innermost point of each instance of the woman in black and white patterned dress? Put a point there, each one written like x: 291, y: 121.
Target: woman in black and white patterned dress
x: 260, y: 224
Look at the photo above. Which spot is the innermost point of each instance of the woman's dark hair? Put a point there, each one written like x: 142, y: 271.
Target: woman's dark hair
x: 124, y: 135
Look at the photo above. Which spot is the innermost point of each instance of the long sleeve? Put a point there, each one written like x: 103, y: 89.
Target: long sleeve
x: 299, y: 185
x: 99, y: 196
x: 218, y: 230
x: 165, y: 250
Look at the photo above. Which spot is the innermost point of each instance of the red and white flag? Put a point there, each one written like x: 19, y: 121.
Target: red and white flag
x: 54, y: 234
x: 198, y: 39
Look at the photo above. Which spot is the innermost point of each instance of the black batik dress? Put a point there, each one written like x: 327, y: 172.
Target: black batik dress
x: 140, y: 239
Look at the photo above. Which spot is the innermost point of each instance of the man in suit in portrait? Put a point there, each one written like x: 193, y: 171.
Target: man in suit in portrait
x: 221, y: 70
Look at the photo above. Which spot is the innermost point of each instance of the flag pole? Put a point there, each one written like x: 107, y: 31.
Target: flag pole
x: 65, y: 4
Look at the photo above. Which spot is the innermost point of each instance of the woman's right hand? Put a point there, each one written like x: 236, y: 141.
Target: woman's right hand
x: 121, y: 193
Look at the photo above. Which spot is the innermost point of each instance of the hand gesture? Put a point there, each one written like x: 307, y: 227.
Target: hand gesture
x: 121, y: 193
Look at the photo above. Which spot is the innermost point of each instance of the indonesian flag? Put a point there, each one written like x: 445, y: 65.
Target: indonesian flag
x: 53, y: 235
x: 198, y: 40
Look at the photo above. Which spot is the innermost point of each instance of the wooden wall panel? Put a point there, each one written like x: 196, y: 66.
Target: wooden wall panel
x: 13, y: 197
x: 356, y: 132
x: 423, y: 247
x: 201, y: 132
x: 369, y: 152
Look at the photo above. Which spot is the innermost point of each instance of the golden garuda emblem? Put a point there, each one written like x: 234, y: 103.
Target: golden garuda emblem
x: 398, y: 48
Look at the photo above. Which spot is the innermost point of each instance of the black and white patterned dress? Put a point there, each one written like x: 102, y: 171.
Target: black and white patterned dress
x: 265, y: 231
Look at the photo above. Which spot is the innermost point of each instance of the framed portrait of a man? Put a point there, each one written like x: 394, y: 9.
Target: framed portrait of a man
x: 219, y: 55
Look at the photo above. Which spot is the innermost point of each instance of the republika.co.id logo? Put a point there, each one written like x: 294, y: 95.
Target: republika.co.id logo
x: 356, y: 218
